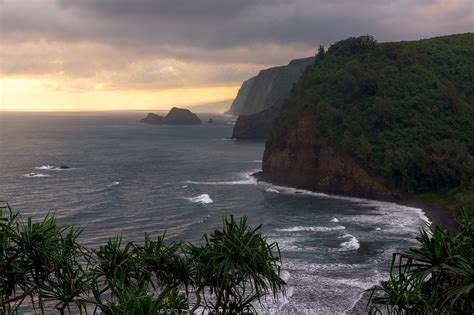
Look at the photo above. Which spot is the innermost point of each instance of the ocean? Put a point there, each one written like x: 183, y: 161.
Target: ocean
x: 129, y: 178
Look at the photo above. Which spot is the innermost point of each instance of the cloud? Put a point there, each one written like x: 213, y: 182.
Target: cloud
x: 165, y: 43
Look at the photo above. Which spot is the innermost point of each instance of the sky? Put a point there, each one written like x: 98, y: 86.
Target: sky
x: 83, y: 55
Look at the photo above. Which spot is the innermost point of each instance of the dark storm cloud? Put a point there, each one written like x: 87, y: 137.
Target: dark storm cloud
x: 218, y: 24
x: 259, y: 32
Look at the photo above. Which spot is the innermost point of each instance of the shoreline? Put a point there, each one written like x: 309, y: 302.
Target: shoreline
x: 437, y: 214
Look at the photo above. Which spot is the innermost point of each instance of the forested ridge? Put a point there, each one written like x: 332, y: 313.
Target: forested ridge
x: 404, y: 110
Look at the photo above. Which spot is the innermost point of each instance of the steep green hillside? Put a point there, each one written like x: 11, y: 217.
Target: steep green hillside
x: 404, y: 111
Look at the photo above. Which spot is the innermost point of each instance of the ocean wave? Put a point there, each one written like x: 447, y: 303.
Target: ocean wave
x: 312, y: 228
x: 351, y: 244
x: 247, y: 179
x: 36, y: 175
x: 395, y: 218
x: 272, y: 190
x: 335, y: 220
x: 53, y: 168
x: 113, y: 184
x: 202, y: 199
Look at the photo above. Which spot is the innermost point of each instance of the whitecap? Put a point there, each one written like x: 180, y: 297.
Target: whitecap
x: 53, y: 168
x: 272, y: 190
x: 202, y: 199
x: 312, y: 228
x: 335, y: 220
x: 378, y: 229
x: 247, y: 179
x: 36, y: 175
x: 45, y: 167
x: 184, y: 186
x: 113, y: 184
x: 351, y: 244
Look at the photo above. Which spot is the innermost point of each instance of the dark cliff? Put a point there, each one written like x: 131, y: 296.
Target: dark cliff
x: 269, y: 90
x: 379, y: 120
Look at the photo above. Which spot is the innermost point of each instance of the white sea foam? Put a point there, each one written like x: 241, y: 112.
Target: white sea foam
x: 312, y: 228
x: 202, y: 199
x: 37, y: 175
x: 51, y: 168
x: 351, y: 244
x: 184, y: 186
x: 247, y: 179
x: 335, y: 220
x: 113, y: 184
x: 272, y: 190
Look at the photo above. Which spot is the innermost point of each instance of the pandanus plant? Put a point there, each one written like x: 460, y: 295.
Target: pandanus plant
x: 435, y: 278
x: 43, y: 265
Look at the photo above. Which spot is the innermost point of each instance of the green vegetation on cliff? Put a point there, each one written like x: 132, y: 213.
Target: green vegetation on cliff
x: 404, y: 110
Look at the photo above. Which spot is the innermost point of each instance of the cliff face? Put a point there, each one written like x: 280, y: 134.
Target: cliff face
x: 268, y: 90
x: 239, y: 101
x: 302, y: 159
x: 256, y: 126
x: 379, y: 120
x: 272, y: 86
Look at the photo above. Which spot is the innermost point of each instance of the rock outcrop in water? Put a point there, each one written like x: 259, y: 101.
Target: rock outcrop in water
x: 176, y: 116
x: 379, y: 120
x: 181, y: 116
x: 152, y: 119
x: 267, y: 92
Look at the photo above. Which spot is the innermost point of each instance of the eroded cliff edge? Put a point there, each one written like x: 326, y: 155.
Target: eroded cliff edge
x: 303, y: 159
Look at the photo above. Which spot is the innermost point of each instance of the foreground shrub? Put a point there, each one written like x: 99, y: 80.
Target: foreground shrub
x: 42, y: 265
x: 435, y: 278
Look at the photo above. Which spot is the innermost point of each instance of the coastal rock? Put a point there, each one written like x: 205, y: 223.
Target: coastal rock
x: 181, y: 116
x: 302, y: 159
x: 176, y: 116
x: 152, y: 119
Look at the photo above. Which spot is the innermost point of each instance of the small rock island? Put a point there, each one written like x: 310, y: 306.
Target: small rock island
x: 176, y: 116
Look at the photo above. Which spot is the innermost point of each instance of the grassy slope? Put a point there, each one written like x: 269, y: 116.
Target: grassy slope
x: 404, y: 110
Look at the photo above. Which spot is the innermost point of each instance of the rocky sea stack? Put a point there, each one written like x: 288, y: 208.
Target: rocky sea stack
x: 152, y: 119
x: 176, y: 116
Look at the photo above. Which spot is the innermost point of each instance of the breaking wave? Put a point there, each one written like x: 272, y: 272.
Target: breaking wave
x: 351, y: 244
x: 36, y: 175
x: 202, y: 199
x: 247, y: 179
x: 312, y: 228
